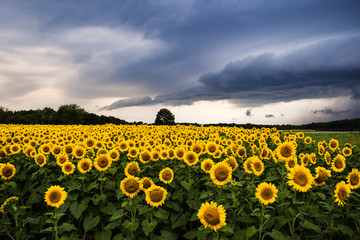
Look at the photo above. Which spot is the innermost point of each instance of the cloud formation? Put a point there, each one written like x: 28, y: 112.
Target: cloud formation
x: 329, y: 111
x: 269, y: 116
x: 248, y: 112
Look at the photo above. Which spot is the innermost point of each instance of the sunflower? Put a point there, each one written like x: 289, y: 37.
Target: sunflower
x: 257, y: 166
x: 300, y: 178
x: 190, y: 158
x: 55, y: 196
x: 266, y: 193
x: 333, y: 144
x: 79, y: 152
x: 166, y: 175
x: 338, y: 164
x: 321, y: 175
x: 346, y: 151
x: 307, y: 140
x: 84, y: 165
x: 155, y: 195
x: 89, y: 142
x: 221, y: 173
x: 131, y: 169
x: 68, y: 168
x: 102, y: 163
x: 68, y: 149
x: 291, y: 163
x: 131, y: 186
x: 164, y: 154
x: 247, y: 165
x: 155, y: 155
x: 241, y: 152
x: 123, y: 146
x: 133, y: 153
x: 61, y: 159
x: 206, y: 165
x: 146, y: 182
x: 212, y: 215
x: 353, y: 179
x: 8, y: 201
x: 114, y: 155
x: 327, y: 158
x: 196, y: 148
x: 56, y: 150
x: 321, y: 150
x: 16, y: 148
x: 7, y: 171
x: 312, y: 158
x: 211, y: 148
x: 232, y: 163
x: 40, y: 159
x: 145, y: 156
x: 179, y: 153
x: 285, y: 151
x: 341, y: 193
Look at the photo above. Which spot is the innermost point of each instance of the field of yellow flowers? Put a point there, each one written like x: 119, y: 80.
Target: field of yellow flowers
x: 175, y: 182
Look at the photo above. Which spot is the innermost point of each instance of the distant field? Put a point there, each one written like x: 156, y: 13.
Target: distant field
x: 343, y: 137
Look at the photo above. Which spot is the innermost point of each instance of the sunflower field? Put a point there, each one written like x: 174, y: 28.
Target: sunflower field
x: 175, y: 182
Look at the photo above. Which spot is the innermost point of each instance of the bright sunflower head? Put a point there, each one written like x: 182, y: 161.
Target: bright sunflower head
x: 211, y: 148
x: 155, y: 195
x: 164, y: 154
x: 321, y: 150
x: 232, y: 163
x: 221, y: 173
x: 333, y: 144
x: 7, y: 202
x: 206, y: 165
x: 321, y: 175
x: 114, y: 155
x: 45, y: 149
x: 312, y: 158
x: 353, y: 179
x: 40, y: 159
x: 179, y: 153
x: 131, y: 186
x: 89, y: 142
x: 346, y: 151
x: 145, y: 156
x: 338, y: 163
x: 56, y: 150
x: 247, y: 165
x: 327, y: 158
x: 266, y: 193
x: 300, y: 178
x: 155, y: 155
x: 133, y: 153
x: 285, y: 151
x: 102, y: 163
x: 341, y: 193
x: 7, y: 171
x: 307, y: 140
x: 61, y: 159
x: 84, y: 165
x: 146, y: 182
x: 79, y: 152
x: 291, y: 163
x: 257, y: 166
x: 68, y: 168
x: 191, y: 158
x: 212, y: 215
x: 131, y: 169
x: 166, y: 175
x: 55, y: 196
x: 241, y: 152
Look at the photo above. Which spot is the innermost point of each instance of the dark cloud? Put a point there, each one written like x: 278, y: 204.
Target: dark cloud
x: 327, y: 69
x: 248, y: 112
x: 329, y: 111
x: 136, y: 101
x: 269, y: 116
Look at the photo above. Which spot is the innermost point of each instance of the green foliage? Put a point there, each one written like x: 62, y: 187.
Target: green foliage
x: 164, y: 117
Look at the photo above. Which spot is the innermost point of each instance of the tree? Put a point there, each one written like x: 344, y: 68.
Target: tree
x: 70, y: 114
x: 164, y: 117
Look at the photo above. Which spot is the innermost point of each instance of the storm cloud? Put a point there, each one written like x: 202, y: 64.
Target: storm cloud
x: 329, y: 111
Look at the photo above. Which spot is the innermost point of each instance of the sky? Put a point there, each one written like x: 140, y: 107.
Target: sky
x: 248, y: 61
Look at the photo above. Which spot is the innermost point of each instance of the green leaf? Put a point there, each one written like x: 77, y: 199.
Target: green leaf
x: 90, y: 222
x: 270, y: 178
x: 161, y: 213
x: 119, y: 194
x: 109, y: 210
x: 250, y: 231
x: 275, y: 234
x: 118, y: 237
x: 117, y: 215
x: 310, y: 225
x: 77, y: 209
x: 186, y: 185
x: 174, y: 206
x: 98, y: 198
x: 143, y: 209
x: 65, y: 227
x: 104, y: 235
x: 131, y: 225
x: 226, y: 229
x: 92, y: 185
x: 346, y: 230
x: 191, y: 235
x: 168, y: 235
x: 113, y: 225
x: 179, y: 222
x: 148, y: 227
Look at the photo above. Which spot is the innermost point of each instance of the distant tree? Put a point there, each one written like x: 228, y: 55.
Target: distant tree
x: 164, y: 117
x: 70, y: 114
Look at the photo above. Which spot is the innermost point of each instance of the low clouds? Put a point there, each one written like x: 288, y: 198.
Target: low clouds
x: 329, y: 111
x: 248, y: 112
x: 136, y: 101
x: 269, y: 116
x: 323, y: 70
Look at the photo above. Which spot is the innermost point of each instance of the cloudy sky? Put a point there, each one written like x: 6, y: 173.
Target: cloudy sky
x: 248, y: 61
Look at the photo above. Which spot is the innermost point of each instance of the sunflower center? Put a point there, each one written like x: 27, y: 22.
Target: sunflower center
x: 113, y: 155
x: 166, y: 175
x: 231, y: 163
x: 342, y: 194
x: 333, y: 144
x: 132, y: 152
x: 346, y: 151
x: 103, y: 162
x: 338, y: 164
x: 156, y: 195
x: 68, y: 150
x: 257, y: 166
x: 208, y: 166
x: 180, y: 154
x: 248, y: 165
x: 40, y: 160
x: 191, y: 158
x: 57, y: 150
x: 132, y: 170
x: 55, y: 197
x: 241, y: 152
x: 286, y: 151
x: 7, y: 171
x: 212, y: 148
x: 131, y: 186
x: 221, y: 173
x: 267, y: 194
x: 291, y: 163
x: 322, y: 177
x: 212, y: 216
x: 354, y: 180
x: 62, y: 159
x: 306, y: 160
x: 300, y: 179
x: 68, y: 168
x: 146, y: 184
x: 85, y: 166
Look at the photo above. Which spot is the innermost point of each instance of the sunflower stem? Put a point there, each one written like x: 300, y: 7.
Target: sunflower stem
x: 261, y: 221
x: 56, y: 219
